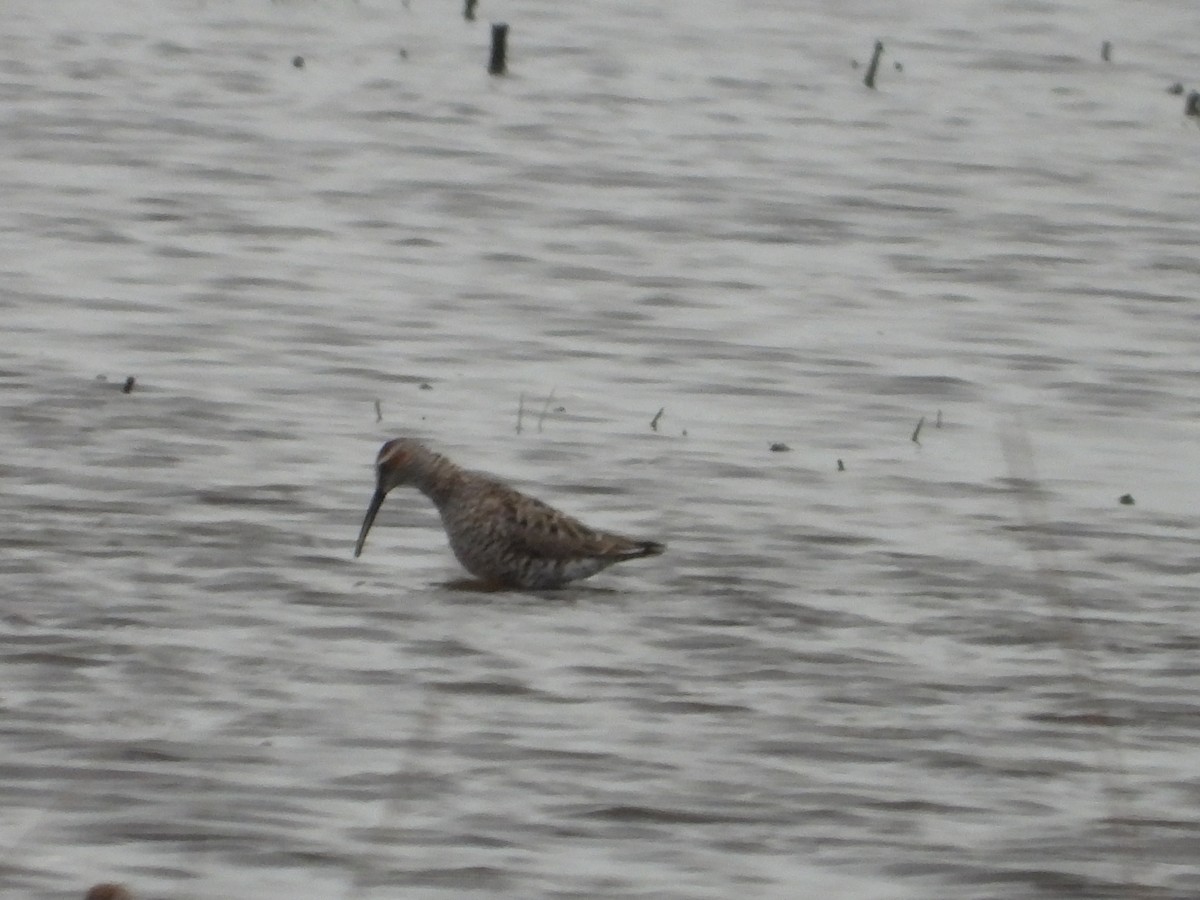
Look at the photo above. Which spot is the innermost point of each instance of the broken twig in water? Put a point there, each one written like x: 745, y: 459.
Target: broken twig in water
x: 869, y: 81
x: 658, y: 415
x: 916, y: 435
x: 938, y: 423
x: 546, y: 409
x: 378, y: 411
x: 520, y: 410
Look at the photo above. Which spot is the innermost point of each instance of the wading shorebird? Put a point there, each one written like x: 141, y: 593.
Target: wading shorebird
x: 501, y: 536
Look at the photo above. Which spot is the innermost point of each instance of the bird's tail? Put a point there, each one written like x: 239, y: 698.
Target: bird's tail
x: 645, y: 548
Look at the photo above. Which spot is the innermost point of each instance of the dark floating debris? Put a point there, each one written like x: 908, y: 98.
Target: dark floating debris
x: 298, y: 62
x: 128, y: 386
x: 898, y: 66
x: 780, y: 448
x: 658, y: 415
x: 1176, y: 89
x: 426, y: 386
x: 498, y: 64
x: 1126, y: 499
x: 108, y: 892
x: 916, y: 435
x: 1106, y: 51
x: 841, y: 466
x: 1191, y: 106
x: 469, y: 10
x: 869, y: 81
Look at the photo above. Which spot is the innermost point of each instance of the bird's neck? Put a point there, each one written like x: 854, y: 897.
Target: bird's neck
x: 438, y: 479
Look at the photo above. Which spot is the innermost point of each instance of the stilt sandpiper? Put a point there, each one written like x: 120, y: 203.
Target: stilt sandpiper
x: 501, y: 536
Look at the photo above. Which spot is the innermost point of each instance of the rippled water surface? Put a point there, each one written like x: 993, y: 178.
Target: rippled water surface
x: 890, y: 661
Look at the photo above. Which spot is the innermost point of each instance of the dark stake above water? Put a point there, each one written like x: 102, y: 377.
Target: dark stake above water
x: 498, y: 64
x: 1191, y: 106
x: 916, y: 435
x: 869, y: 81
x: 129, y: 383
x: 1106, y: 51
x: 469, y: 10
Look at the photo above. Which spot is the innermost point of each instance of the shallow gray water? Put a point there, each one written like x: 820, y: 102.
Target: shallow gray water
x: 958, y: 668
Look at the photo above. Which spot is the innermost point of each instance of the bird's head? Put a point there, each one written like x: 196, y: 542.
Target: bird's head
x: 399, y: 462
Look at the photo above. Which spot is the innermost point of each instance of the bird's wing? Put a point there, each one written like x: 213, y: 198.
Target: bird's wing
x: 542, y: 531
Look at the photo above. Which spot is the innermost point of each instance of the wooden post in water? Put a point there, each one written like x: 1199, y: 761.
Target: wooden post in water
x: 469, y: 10
x: 1106, y: 51
x: 1191, y: 106
x: 498, y: 64
x: 869, y: 81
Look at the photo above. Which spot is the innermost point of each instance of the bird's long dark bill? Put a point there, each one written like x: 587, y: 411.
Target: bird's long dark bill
x: 372, y: 511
